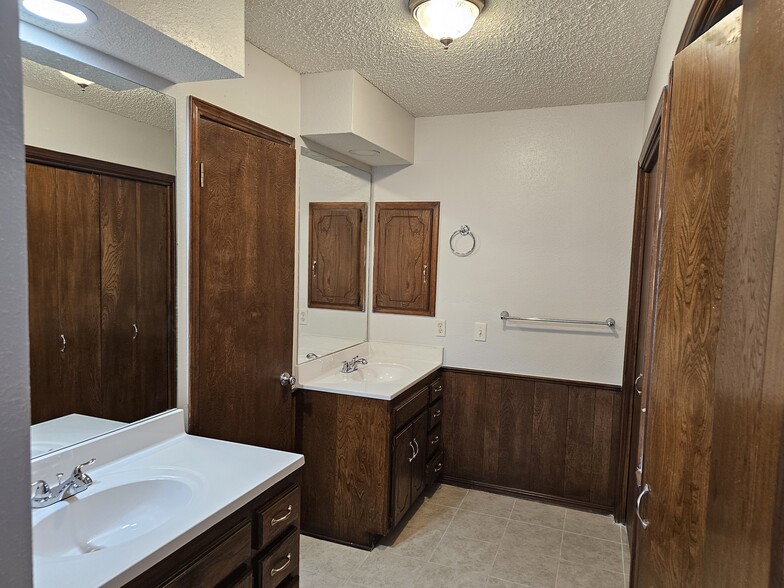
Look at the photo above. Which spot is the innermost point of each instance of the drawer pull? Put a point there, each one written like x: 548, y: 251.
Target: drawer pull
x: 438, y: 389
x: 275, y: 571
x: 435, y: 441
x: 439, y: 468
x: 437, y: 414
x: 282, y: 518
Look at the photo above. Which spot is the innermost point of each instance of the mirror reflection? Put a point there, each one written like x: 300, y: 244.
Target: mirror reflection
x: 334, y: 203
x: 100, y: 197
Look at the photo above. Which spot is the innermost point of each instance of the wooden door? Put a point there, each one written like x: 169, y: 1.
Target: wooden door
x: 242, y: 309
x: 419, y: 464
x: 406, y: 256
x: 336, y: 276
x: 135, y: 297
x: 402, y: 452
x: 64, y: 292
x: 680, y: 412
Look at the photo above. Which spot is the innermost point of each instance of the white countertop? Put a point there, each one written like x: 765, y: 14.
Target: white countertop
x: 225, y: 476
x: 67, y: 430
x: 405, y: 364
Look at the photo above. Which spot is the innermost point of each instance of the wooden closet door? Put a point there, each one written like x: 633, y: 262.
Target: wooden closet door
x: 119, y: 242
x: 406, y: 253
x: 242, y: 326
x: 336, y: 276
x: 700, y: 155
x: 64, y: 271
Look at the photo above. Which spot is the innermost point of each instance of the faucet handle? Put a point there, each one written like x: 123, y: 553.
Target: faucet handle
x: 40, y: 489
x: 79, y: 472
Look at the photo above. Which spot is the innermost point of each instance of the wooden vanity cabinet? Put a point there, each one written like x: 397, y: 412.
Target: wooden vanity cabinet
x: 367, y: 460
x: 255, y: 547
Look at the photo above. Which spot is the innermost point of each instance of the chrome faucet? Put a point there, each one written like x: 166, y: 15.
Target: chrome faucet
x: 44, y: 495
x: 352, y: 365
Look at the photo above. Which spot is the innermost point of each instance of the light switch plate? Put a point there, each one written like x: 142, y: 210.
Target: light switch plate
x: 303, y: 317
x: 480, y: 331
x: 440, y: 328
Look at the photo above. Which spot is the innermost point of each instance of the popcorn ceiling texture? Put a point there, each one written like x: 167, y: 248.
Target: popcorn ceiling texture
x: 140, y: 104
x: 520, y: 54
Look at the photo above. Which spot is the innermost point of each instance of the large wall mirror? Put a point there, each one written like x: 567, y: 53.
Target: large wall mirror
x: 333, y: 281
x: 100, y: 199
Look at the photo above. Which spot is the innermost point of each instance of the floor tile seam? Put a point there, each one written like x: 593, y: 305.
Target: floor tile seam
x: 593, y: 537
x: 443, y: 535
x: 497, y: 551
x: 464, y: 509
x: 577, y: 563
x: 537, y: 524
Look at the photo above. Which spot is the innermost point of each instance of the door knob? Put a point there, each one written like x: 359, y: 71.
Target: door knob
x: 286, y: 379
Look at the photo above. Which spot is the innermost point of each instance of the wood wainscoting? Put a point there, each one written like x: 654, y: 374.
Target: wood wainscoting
x: 555, y: 440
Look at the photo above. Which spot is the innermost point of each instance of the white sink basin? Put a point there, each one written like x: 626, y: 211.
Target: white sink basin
x: 102, y: 518
x: 373, y: 372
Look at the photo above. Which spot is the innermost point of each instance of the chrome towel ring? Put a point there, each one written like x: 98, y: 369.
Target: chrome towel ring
x: 463, y: 231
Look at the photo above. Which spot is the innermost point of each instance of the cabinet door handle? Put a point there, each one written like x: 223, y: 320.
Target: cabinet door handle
x: 313, y: 269
x: 413, y: 452
x: 275, y: 571
x: 435, y: 441
x: 63, y: 343
x: 438, y: 389
x: 439, y: 468
x: 436, y: 414
x: 135, y: 331
x: 281, y: 518
x: 417, y: 448
x: 636, y: 380
x: 644, y: 522
x: 424, y: 273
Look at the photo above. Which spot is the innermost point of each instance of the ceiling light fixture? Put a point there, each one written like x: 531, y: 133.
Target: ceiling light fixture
x: 81, y: 82
x: 62, y: 11
x: 365, y: 152
x: 446, y: 20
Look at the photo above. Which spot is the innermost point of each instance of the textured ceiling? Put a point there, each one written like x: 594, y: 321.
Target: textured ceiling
x: 139, y: 104
x: 520, y: 54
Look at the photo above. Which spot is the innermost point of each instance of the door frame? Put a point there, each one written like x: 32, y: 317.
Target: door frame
x: 200, y: 110
x: 78, y: 163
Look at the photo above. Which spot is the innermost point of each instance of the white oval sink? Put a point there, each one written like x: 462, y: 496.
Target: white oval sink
x: 100, y: 519
x: 373, y: 372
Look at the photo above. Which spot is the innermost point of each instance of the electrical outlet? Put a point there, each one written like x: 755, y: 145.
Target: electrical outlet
x: 480, y: 331
x: 440, y: 328
x: 303, y: 317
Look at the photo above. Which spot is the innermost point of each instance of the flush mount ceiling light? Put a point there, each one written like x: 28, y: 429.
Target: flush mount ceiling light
x: 81, y: 82
x: 365, y: 152
x: 62, y: 11
x: 446, y: 20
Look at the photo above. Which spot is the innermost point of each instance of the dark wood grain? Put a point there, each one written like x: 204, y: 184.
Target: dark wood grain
x: 744, y: 544
x: 242, y: 276
x: 406, y: 258
x: 336, y: 245
x: 549, y: 439
x: 402, y: 452
x: 284, y: 557
x: 418, y: 465
x: 680, y: 406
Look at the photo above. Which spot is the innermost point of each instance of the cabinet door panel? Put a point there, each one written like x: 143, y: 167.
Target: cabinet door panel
x: 419, y: 464
x: 406, y: 252
x: 336, y: 276
x: 403, y: 450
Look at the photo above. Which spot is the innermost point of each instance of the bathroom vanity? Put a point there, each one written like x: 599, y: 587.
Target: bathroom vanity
x: 163, y: 508
x: 372, y: 440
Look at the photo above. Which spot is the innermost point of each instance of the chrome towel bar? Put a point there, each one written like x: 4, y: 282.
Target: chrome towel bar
x: 610, y: 322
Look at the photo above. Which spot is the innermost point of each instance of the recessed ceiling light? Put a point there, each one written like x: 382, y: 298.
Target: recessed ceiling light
x: 62, y: 11
x: 81, y: 82
x: 446, y: 20
x: 365, y: 152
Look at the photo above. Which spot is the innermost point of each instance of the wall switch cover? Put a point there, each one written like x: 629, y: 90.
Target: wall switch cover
x: 440, y: 328
x: 303, y: 317
x: 480, y: 331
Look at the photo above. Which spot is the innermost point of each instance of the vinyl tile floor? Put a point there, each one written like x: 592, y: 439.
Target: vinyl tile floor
x: 457, y: 538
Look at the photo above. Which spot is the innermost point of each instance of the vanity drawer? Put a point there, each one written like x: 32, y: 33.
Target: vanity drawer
x: 409, y: 408
x: 215, y: 566
x: 436, y: 389
x: 434, y: 468
x: 434, y: 440
x: 434, y: 417
x: 278, y: 517
x: 281, y: 564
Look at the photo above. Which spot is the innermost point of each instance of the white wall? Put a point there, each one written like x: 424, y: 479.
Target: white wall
x: 63, y: 125
x: 550, y: 195
x: 674, y: 22
x: 15, y: 542
x: 270, y: 95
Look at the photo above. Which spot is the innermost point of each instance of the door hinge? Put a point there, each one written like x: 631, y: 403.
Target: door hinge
x: 201, y: 174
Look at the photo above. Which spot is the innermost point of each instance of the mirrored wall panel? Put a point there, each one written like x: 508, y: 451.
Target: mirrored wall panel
x: 333, y: 281
x: 100, y: 196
